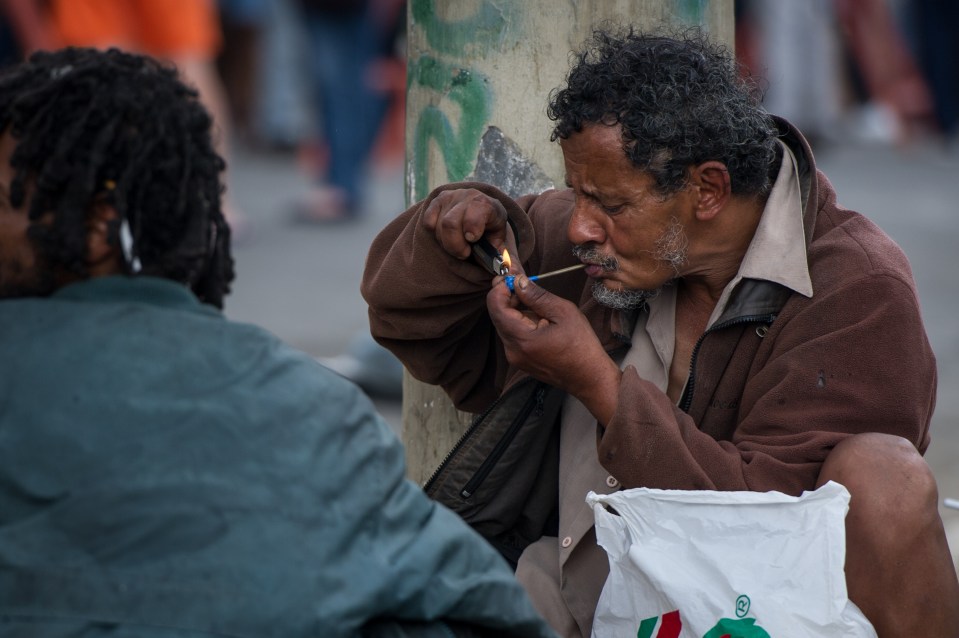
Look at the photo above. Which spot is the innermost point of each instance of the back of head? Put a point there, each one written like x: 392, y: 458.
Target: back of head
x: 107, y: 126
x: 680, y: 100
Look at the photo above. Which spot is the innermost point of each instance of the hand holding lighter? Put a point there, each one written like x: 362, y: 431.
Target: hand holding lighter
x: 489, y: 257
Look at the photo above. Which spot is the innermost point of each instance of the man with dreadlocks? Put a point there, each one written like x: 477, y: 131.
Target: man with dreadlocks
x: 731, y: 328
x: 164, y: 471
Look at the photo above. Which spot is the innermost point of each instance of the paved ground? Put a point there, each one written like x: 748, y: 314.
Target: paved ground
x: 302, y: 282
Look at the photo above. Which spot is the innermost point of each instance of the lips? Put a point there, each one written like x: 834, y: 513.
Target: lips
x: 595, y: 271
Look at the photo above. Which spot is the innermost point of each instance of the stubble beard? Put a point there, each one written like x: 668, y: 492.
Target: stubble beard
x: 672, y: 248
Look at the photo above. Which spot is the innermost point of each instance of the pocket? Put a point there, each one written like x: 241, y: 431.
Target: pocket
x: 491, y: 471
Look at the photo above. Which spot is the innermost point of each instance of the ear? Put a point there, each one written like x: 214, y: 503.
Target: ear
x: 714, y: 190
x: 103, y: 251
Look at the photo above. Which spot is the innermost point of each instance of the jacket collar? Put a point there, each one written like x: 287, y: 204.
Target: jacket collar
x: 136, y: 290
x: 806, y: 169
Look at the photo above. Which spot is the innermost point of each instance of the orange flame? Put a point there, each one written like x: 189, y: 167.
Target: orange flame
x: 506, y: 259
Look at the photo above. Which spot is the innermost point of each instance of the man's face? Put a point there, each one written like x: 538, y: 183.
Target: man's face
x: 631, y: 236
x: 22, y: 273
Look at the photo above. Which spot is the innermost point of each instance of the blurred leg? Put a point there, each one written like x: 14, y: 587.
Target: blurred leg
x: 899, y: 570
x: 343, y: 49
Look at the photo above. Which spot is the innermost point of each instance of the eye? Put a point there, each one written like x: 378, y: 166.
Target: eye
x: 611, y: 210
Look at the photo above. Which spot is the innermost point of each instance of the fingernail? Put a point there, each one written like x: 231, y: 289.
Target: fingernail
x: 470, y: 237
x: 523, y: 282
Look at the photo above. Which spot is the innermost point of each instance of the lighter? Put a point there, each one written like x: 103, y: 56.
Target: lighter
x: 494, y: 261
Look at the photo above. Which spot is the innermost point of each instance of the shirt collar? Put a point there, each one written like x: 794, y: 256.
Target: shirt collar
x: 777, y: 251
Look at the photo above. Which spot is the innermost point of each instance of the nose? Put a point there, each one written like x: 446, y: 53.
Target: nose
x: 584, y: 226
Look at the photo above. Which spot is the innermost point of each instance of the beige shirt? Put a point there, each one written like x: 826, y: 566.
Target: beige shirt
x: 564, y: 576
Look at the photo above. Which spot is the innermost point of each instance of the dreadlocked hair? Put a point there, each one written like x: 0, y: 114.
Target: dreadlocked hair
x: 680, y: 100
x: 94, y: 124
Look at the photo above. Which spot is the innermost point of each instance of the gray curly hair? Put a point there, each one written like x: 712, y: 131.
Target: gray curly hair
x: 680, y: 101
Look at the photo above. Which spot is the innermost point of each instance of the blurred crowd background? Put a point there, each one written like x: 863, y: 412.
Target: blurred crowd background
x: 323, y: 80
x: 319, y: 79
x: 856, y: 70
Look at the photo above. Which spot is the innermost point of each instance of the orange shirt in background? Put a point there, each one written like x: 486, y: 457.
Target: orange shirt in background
x: 161, y: 28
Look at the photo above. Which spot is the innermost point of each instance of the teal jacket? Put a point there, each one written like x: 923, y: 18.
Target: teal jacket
x: 167, y: 472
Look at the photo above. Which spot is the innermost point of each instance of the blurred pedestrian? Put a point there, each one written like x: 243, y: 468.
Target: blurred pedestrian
x: 934, y: 26
x: 796, y: 48
x: 839, y: 69
x: 243, y: 23
x: 24, y: 28
x: 346, y: 41
x: 183, y: 32
x: 889, y: 72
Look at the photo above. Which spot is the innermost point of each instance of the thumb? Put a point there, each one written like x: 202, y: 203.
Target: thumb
x: 537, y: 299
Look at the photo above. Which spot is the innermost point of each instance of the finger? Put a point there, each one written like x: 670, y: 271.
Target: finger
x: 537, y: 299
x: 449, y: 231
x: 431, y: 214
x: 485, y: 216
x: 500, y: 298
x: 504, y: 311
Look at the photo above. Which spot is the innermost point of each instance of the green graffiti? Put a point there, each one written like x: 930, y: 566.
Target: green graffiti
x: 469, y: 91
x: 487, y: 25
x: 691, y: 11
x: 736, y: 628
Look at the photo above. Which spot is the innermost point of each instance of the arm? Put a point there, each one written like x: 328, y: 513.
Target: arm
x: 855, y: 359
x: 426, y: 292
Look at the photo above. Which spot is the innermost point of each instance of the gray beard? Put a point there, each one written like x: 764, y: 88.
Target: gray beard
x: 621, y: 299
x: 670, y: 248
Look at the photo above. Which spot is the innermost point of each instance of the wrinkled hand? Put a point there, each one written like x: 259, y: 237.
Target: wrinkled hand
x: 549, y: 338
x: 460, y: 217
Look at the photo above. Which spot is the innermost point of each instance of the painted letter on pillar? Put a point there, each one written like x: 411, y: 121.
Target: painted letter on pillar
x: 447, y: 73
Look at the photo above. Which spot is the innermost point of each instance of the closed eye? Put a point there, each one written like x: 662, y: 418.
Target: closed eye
x: 609, y: 210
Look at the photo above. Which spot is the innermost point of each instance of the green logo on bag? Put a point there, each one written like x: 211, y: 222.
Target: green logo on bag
x: 742, y: 606
x: 740, y: 627
x: 669, y: 625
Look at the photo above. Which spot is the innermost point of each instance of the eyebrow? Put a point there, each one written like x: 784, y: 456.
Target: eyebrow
x: 585, y: 191
x: 569, y: 184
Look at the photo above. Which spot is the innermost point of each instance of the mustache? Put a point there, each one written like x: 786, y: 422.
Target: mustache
x: 591, y: 255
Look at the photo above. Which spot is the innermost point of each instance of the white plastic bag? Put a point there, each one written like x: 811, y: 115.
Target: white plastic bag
x: 714, y: 564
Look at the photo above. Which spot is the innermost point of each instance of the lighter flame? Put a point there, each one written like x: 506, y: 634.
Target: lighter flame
x: 506, y: 259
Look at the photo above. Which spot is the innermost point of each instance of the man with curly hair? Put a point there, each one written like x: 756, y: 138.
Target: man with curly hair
x: 165, y: 471
x: 733, y: 328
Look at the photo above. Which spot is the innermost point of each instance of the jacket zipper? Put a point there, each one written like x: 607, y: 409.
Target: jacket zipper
x: 536, y: 401
x: 687, y: 398
x: 469, y: 433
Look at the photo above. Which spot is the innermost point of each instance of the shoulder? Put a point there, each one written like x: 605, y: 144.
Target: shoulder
x: 847, y: 247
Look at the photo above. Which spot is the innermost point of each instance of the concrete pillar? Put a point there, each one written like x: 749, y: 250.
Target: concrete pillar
x: 479, y: 77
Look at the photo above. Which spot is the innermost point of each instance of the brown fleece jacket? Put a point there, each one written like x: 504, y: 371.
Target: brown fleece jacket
x: 769, y: 395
